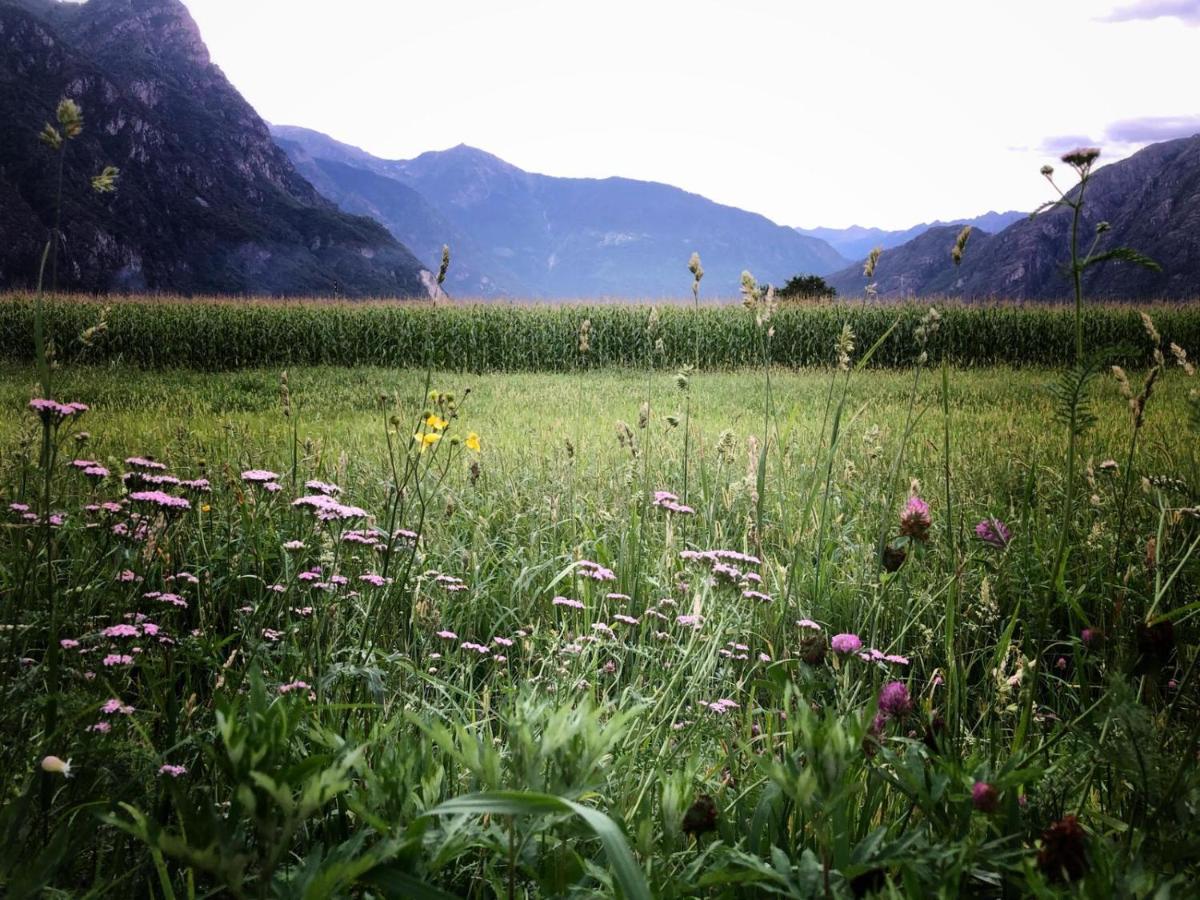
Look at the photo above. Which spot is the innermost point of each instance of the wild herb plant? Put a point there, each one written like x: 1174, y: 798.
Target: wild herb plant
x: 1075, y: 386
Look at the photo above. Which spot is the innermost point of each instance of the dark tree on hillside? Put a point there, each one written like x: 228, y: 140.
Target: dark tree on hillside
x: 804, y: 287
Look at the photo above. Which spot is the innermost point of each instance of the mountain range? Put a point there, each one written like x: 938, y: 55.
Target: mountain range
x: 857, y: 241
x: 517, y: 233
x: 206, y: 202
x: 1150, y: 201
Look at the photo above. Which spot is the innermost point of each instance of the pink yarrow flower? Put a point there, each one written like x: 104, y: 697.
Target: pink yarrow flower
x: 53, y: 411
x: 141, y: 462
x: 161, y: 500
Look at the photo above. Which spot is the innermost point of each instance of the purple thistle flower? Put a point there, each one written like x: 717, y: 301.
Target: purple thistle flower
x: 845, y: 643
x: 915, y: 519
x: 894, y: 701
x: 994, y: 533
x: 984, y: 797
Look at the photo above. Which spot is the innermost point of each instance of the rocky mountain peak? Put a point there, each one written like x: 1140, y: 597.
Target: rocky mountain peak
x: 206, y: 202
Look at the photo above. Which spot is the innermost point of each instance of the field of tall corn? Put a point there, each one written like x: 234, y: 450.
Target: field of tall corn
x: 210, y: 335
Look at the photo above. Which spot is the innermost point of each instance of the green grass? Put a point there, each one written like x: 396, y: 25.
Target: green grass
x: 570, y: 768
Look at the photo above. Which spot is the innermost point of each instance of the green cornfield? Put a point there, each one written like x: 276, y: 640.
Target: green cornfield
x: 222, y: 335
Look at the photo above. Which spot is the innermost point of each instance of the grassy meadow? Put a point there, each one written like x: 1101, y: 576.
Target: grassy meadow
x: 820, y: 632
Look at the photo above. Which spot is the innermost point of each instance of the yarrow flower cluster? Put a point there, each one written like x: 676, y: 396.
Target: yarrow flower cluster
x: 259, y: 476
x: 721, y: 706
x: 141, y: 462
x: 162, y: 500
x: 595, y: 571
x: 55, y: 412
x: 323, y: 487
x: 327, y: 509
x: 668, y: 501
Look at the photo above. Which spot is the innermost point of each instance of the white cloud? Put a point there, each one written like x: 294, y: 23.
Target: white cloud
x: 1186, y: 11
x: 1148, y: 129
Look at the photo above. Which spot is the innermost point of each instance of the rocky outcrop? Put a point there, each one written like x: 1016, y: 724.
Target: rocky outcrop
x: 206, y: 202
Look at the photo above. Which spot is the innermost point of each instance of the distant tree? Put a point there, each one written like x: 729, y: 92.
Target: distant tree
x: 806, y: 287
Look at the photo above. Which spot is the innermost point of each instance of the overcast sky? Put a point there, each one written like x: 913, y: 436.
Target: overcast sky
x: 813, y: 113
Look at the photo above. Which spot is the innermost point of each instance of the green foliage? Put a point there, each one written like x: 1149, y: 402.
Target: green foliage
x: 583, y: 764
x: 806, y: 287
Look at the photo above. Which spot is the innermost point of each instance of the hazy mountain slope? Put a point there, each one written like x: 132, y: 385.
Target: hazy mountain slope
x: 920, y: 266
x: 206, y: 202
x: 411, y: 220
x: 1151, y: 201
x: 856, y: 241
x: 573, y: 237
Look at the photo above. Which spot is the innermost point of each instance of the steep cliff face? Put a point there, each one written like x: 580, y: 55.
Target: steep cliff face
x: 207, y: 203
x: 1151, y: 201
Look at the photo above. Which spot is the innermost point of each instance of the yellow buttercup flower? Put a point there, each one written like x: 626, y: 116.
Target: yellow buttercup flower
x: 427, y: 440
x: 435, y: 422
x: 473, y: 441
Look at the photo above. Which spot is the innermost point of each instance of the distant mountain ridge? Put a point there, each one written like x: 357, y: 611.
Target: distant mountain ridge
x: 206, y: 203
x: 521, y: 234
x: 856, y: 241
x: 1151, y: 201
